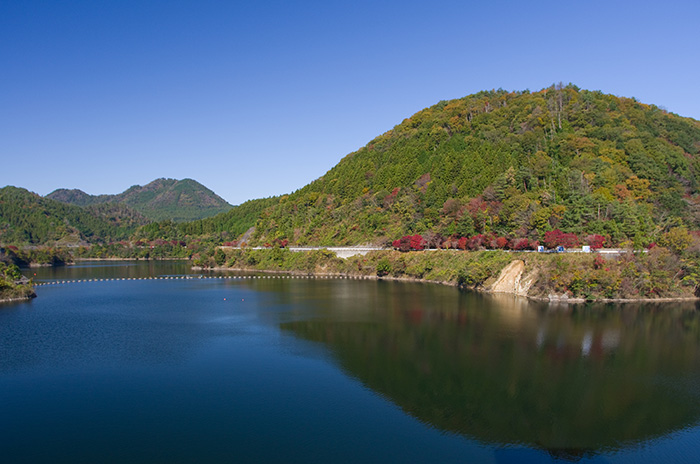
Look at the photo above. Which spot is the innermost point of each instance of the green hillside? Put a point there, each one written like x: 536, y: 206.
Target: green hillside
x: 28, y: 219
x: 227, y: 226
x: 78, y: 197
x: 162, y: 199
x: 516, y: 164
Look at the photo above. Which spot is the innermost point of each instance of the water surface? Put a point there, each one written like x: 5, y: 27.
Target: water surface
x: 303, y: 370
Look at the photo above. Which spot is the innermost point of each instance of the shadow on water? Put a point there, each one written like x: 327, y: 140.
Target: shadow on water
x: 573, y: 381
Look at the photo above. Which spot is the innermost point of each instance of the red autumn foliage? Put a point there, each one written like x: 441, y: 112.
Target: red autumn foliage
x: 520, y: 244
x: 595, y: 241
x: 462, y: 243
x: 477, y: 242
x: 389, y: 199
x: 403, y: 244
x: 556, y: 237
x: 598, y: 262
x: 417, y: 242
x: 476, y: 205
x: 410, y: 242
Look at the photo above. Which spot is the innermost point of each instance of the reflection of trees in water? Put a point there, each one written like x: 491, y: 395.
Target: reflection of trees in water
x: 109, y: 270
x: 573, y: 381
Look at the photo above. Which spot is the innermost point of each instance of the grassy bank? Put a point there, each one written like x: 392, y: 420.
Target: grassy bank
x: 654, y: 275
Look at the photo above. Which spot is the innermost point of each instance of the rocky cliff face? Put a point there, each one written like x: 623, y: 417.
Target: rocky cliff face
x: 512, y: 280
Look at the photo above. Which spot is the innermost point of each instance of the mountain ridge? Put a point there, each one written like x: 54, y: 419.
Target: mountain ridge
x: 161, y: 199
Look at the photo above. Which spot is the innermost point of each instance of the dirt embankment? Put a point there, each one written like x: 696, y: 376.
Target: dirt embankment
x: 511, y: 280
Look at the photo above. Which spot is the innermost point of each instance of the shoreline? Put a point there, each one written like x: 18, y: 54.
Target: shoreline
x: 126, y: 259
x: 17, y: 299
x: 477, y: 289
x: 483, y: 287
x: 679, y: 299
x: 330, y: 274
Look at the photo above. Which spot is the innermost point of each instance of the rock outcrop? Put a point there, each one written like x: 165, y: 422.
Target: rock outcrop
x: 512, y: 280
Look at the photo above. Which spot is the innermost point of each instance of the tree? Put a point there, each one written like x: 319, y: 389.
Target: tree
x: 417, y: 242
x: 595, y: 241
x: 556, y: 237
x: 677, y: 239
x: 465, y: 225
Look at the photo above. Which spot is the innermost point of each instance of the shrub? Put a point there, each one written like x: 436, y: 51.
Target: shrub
x: 383, y: 267
x: 410, y: 242
x: 520, y: 244
x: 598, y: 262
x: 677, y: 239
x: 417, y: 242
x: 502, y: 242
x: 476, y: 242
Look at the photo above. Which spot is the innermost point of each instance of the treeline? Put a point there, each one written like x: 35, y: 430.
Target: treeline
x: 154, y: 249
x: 40, y: 255
x: 678, y: 239
x: 226, y: 226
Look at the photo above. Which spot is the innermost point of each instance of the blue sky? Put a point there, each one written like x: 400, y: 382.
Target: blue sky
x: 254, y: 99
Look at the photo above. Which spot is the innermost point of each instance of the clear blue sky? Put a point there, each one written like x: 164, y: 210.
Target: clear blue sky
x: 254, y: 99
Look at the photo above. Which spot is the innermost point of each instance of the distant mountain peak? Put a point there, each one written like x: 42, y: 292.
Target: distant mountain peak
x: 160, y: 199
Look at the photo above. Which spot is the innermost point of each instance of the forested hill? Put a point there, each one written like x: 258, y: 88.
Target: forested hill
x: 516, y: 164
x: 162, y: 199
x: 228, y: 226
x: 29, y: 219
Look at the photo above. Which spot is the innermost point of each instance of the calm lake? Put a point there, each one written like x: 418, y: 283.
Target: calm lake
x: 290, y: 370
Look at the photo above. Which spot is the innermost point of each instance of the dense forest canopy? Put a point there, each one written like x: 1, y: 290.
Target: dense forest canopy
x: 516, y: 164
x: 27, y: 218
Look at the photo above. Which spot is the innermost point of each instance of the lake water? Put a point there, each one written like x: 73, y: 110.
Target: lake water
x: 330, y: 370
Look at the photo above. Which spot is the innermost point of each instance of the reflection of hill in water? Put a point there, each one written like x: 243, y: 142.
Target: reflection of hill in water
x: 569, y: 381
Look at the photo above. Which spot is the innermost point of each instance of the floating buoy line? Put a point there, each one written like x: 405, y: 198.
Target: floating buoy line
x: 202, y: 277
